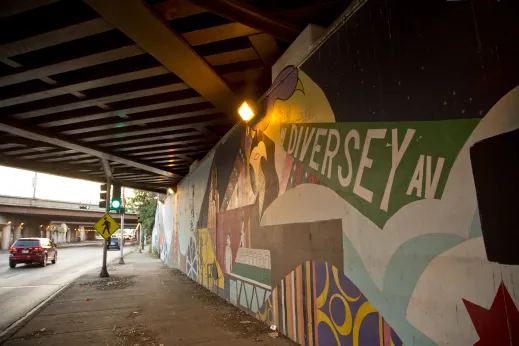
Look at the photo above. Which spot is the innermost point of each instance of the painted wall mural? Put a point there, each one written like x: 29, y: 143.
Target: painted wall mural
x: 373, y: 200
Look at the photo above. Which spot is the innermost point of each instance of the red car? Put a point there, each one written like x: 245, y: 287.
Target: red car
x: 31, y: 250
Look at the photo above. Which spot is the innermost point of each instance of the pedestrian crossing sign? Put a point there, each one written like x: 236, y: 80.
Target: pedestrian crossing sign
x: 106, y: 226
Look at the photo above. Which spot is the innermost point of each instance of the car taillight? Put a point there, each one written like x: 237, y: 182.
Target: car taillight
x: 12, y: 249
x: 37, y: 248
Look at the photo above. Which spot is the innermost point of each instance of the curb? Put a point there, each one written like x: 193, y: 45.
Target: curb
x: 24, y: 320
x: 16, y: 326
x: 69, y: 246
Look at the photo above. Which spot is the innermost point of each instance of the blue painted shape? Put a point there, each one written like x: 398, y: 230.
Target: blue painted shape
x: 395, y: 312
x: 402, y: 273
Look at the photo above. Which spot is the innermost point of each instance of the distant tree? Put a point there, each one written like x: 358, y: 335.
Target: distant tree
x: 144, y: 203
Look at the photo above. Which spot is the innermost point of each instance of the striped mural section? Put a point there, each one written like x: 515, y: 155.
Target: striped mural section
x: 316, y: 305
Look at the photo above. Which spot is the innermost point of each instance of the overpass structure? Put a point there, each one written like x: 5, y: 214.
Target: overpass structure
x: 85, y: 93
x: 372, y: 199
x: 63, y: 221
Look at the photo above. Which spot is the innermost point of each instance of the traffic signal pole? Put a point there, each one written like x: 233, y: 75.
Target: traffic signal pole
x: 121, y: 260
x: 104, y: 271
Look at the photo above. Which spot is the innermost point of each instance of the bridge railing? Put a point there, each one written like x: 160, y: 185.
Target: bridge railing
x: 49, y: 204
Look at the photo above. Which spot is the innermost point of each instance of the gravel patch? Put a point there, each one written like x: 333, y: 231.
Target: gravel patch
x: 110, y: 283
x: 135, y: 335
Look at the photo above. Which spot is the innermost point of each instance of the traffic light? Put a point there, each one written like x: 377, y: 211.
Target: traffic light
x: 102, y: 196
x: 116, y: 197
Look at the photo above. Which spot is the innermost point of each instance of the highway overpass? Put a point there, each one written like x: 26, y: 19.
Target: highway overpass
x: 63, y: 221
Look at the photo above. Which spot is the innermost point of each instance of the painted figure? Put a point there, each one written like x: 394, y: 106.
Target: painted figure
x: 228, y: 255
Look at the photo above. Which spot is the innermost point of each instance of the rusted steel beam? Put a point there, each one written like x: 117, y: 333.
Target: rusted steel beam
x: 241, y: 12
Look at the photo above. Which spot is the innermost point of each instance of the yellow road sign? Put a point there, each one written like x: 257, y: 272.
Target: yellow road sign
x: 106, y: 226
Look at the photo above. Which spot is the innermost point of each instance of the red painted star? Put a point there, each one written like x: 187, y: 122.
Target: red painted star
x: 498, y: 326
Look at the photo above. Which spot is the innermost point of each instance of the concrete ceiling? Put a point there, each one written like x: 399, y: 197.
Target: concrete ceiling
x: 143, y: 88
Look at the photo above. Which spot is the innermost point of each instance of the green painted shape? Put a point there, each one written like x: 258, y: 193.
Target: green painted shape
x: 432, y: 138
x: 233, y: 293
x: 253, y: 273
x: 244, y: 294
x: 262, y: 297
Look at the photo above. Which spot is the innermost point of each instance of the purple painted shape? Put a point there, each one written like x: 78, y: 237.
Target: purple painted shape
x: 395, y: 338
x: 337, y: 313
x: 282, y: 89
x: 320, y: 277
x: 326, y: 336
x: 369, y: 330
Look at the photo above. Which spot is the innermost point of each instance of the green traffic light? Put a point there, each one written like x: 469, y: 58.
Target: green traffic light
x: 116, y: 204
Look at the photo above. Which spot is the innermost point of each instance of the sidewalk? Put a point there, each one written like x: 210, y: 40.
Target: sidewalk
x: 142, y: 303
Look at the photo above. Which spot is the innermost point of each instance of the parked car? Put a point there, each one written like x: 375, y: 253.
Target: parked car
x: 114, y: 243
x: 33, y: 250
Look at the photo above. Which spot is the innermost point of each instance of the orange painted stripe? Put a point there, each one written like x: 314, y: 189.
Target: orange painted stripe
x: 300, y: 312
x: 309, y: 326
x: 387, y: 333
x: 316, y: 333
x: 288, y: 306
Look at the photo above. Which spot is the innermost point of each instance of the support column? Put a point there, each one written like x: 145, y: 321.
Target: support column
x: 17, y: 232
x: 82, y: 233
x: 47, y: 234
x: 6, y: 237
x: 68, y: 236
x: 25, y: 232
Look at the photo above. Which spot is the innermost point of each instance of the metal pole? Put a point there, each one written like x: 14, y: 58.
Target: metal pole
x: 34, y: 183
x: 140, y: 236
x: 104, y: 271
x: 121, y: 260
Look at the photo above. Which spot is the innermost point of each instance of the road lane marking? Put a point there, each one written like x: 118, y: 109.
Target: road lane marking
x: 30, y: 286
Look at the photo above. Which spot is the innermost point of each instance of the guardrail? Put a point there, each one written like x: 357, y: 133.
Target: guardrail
x: 48, y: 204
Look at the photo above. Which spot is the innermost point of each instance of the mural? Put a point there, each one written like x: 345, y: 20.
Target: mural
x: 317, y: 305
x: 373, y: 200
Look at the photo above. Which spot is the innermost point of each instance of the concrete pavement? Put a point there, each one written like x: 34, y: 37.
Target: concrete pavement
x: 24, y: 287
x: 142, y: 303
x: 81, y: 244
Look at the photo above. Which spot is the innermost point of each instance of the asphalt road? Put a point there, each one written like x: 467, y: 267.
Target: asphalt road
x: 24, y: 287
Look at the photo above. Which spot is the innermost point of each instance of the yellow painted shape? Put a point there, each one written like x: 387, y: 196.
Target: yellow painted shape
x: 207, y: 256
x: 364, y: 310
x: 102, y: 230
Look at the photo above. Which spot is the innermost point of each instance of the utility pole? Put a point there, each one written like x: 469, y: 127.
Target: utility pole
x: 34, y: 182
x: 121, y: 260
x: 104, y: 271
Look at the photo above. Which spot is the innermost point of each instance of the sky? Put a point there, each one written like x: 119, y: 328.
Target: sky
x: 18, y: 182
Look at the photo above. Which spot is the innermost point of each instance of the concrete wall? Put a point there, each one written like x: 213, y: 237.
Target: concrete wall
x: 349, y: 211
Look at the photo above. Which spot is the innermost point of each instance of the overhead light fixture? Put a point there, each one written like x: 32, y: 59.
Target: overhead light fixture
x: 246, y: 111
x: 8, y: 222
x: 21, y: 224
x: 170, y: 191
